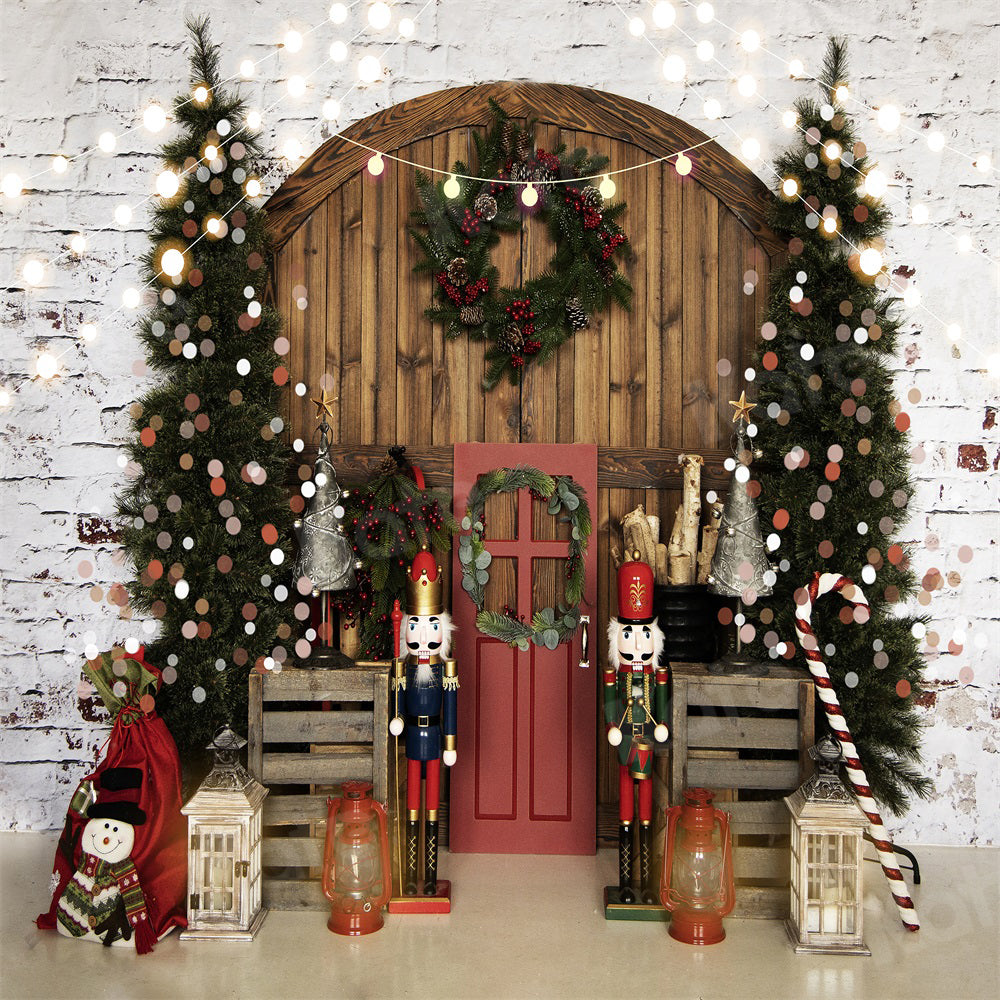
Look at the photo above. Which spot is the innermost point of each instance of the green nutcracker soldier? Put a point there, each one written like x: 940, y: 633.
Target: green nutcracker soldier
x: 635, y: 703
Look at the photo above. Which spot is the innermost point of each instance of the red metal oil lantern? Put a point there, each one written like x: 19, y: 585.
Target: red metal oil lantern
x: 697, y: 882
x: 356, y: 872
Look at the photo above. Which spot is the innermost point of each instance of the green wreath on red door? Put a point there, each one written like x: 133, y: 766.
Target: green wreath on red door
x: 457, y: 235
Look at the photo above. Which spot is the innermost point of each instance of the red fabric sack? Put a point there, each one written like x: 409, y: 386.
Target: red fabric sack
x: 139, y: 739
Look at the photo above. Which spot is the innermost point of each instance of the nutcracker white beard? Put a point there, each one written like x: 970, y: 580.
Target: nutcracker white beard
x: 634, y: 645
x: 425, y: 635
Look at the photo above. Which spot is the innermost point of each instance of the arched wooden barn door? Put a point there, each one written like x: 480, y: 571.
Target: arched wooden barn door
x: 642, y: 385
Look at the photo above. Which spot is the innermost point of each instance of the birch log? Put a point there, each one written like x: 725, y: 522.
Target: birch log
x: 661, y: 573
x: 709, y: 541
x: 638, y: 536
x: 692, y: 510
x: 678, y: 561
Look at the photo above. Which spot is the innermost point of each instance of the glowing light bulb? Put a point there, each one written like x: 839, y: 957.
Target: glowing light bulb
x: 46, y: 365
x: 154, y: 118
x: 936, y: 141
x: 12, y: 185
x: 683, y: 165
x: 796, y: 67
x: 747, y: 85
x: 376, y: 165
x: 889, y: 117
x: 338, y: 13
x: 292, y: 149
x: 331, y: 109
x: 674, y: 68
x: 338, y: 51
x: 911, y: 297
x: 954, y: 332
x: 200, y: 94
x: 247, y: 68
x: 841, y: 93
x: 254, y: 120
x: 123, y: 215
x: 664, y: 14
x: 293, y: 41
x: 964, y: 243
x: 637, y: 27
x: 33, y: 271
x: 78, y: 244
x: 830, y: 224
x: 920, y: 214
x: 705, y: 13
x: 379, y: 15
x: 833, y: 151
x: 750, y: 149
x: 452, y: 189
x: 607, y: 187
x: 131, y: 298
x: 789, y: 118
x: 529, y: 196
x: 60, y: 164
x: 705, y: 50
x: 252, y: 188
x: 876, y: 183
x: 407, y: 27
x: 983, y: 163
x: 870, y: 261
x: 172, y: 262
x: 211, y: 152
x: 107, y: 142
x: 88, y: 332
x: 789, y: 187
x: 712, y: 109
x: 167, y: 184
x: 213, y: 225
x: 750, y: 40
x: 296, y: 86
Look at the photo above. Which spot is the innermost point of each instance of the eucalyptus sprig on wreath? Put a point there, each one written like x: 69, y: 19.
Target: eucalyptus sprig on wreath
x: 457, y: 236
x: 550, y: 626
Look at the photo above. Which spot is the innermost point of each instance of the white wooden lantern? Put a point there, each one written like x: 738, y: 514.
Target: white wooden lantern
x: 827, y: 855
x: 224, y: 849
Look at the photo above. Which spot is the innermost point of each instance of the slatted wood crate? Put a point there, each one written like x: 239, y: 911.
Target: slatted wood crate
x: 747, y: 739
x: 311, y: 730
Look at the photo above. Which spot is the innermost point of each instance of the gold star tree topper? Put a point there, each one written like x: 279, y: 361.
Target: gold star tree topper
x: 324, y: 405
x: 743, y: 408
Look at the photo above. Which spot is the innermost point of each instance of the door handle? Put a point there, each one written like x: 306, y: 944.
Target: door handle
x: 585, y: 642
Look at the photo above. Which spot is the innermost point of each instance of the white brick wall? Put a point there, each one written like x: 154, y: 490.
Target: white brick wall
x: 70, y: 70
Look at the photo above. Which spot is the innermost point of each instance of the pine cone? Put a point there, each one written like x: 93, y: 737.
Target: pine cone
x: 592, y: 198
x: 458, y: 272
x: 522, y: 146
x: 542, y: 173
x: 511, y: 339
x: 576, y: 316
x: 486, y: 206
x: 471, y: 315
x: 520, y: 171
x: 506, y: 134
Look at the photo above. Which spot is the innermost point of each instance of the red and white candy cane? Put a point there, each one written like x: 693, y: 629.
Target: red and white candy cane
x: 823, y: 583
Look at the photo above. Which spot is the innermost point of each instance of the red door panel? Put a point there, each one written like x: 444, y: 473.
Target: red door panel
x: 525, y: 780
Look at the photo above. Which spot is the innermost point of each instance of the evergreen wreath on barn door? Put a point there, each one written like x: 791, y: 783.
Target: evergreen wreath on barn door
x: 457, y: 235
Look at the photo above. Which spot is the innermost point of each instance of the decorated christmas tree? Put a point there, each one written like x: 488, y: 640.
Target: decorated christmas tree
x: 207, y: 523
x: 833, y: 469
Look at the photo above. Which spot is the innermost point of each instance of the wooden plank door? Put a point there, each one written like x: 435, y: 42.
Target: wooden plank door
x: 525, y: 780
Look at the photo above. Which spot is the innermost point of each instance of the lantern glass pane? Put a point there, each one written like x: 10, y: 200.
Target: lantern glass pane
x: 814, y: 846
x: 850, y: 851
x: 812, y: 918
x: 832, y: 849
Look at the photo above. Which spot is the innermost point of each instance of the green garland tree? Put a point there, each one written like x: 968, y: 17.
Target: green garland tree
x: 207, y: 523
x: 833, y: 457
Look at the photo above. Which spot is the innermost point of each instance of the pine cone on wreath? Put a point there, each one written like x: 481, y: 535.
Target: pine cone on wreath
x: 507, y: 135
x: 576, y: 316
x: 511, y: 339
x: 541, y: 173
x: 522, y: 146
x: 458, y: 271
x: 592, y: 198
x: 471, y: 315
x: 486, y: 206
x: 520, y: 171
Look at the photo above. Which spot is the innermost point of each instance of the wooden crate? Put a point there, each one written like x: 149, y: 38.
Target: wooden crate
x: 746, y: 738
x: 312, y: 729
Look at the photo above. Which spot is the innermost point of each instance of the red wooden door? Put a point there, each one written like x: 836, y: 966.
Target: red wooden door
x: 525, y: 779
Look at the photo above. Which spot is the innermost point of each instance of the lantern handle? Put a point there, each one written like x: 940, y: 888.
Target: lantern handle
x: 328, y: 880
x: 729, y: 898
x: 383, y: 822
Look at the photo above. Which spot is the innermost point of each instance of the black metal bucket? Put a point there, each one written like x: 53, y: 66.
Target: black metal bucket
x: 687, y: 613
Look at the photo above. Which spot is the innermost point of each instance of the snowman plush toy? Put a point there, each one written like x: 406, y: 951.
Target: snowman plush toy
x: 104, y: 902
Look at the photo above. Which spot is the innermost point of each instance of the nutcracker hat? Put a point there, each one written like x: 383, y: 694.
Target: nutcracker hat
x: 635, y: 592
x: 119, y: 796
x: 423, y: 586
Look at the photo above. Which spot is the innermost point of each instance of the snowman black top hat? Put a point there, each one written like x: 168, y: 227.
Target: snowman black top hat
x: 118, y: 798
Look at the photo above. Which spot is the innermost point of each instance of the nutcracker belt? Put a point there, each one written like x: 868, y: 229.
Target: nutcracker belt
x: 423, y: 720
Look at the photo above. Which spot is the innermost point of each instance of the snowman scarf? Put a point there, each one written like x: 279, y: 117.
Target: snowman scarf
x: 125, y: 875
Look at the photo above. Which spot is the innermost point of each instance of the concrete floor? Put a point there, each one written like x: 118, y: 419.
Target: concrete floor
x: 523, y: 926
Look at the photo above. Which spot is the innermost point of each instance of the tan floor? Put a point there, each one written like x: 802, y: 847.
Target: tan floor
x: 523, y: 927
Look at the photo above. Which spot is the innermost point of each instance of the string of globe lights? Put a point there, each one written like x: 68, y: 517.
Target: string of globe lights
x: 870, y: 259
x: 887, y: 115
x: 875, y: 182
x: 47, y: 363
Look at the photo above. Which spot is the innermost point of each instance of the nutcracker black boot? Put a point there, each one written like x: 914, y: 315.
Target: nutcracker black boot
x: 430, y: 857
x: 625, y: 893
x: 412, y: 849
x: 646, y: 862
